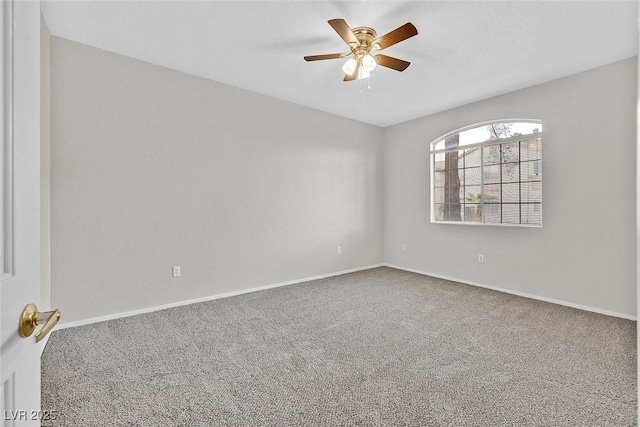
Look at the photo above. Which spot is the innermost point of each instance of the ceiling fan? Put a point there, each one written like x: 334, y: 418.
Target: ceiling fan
x: 362, y: 41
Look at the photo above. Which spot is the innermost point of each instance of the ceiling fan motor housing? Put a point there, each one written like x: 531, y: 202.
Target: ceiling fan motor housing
x: 365, y: 36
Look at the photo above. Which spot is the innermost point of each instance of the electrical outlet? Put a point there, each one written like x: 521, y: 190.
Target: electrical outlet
x: 175, y: 271
x: 480, y: 258
x: 404, y: 247
x: 339, y: 250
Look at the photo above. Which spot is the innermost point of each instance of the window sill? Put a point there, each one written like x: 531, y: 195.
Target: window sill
x: 487, y: 224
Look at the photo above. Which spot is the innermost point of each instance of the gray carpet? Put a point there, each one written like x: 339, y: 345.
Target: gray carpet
x: 378, y: 347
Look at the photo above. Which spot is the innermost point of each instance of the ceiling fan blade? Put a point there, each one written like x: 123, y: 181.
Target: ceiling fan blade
x: 395, y: 36
x: 327, y: 56
x: 348, y: 78
x: 391, y: 62
x: 344, y: 31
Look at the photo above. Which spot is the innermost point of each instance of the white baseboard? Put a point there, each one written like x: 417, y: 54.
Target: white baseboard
x: 521, y: 294
x: 208, y: 298
x: 337, y: 273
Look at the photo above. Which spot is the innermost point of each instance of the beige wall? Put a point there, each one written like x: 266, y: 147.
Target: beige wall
x: 45, y: 168
x: 153, y: 168
x: 585, y: 253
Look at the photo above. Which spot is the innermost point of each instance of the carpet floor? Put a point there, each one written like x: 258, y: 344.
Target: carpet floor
x: 379, y: 347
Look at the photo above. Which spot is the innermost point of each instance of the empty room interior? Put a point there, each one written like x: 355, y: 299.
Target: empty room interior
x: 339, y: 213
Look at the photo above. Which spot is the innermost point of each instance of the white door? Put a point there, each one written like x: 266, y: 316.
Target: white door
x: 20, y: 213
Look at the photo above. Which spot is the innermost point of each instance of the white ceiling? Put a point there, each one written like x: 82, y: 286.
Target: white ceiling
x: 465, y: 50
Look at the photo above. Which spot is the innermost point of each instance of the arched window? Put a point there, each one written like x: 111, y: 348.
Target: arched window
x: 488, y: 174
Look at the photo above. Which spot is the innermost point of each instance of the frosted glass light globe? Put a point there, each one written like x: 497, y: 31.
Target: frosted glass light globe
x: 368, y: 63
x: 363, y: 73
x: 350, y: 66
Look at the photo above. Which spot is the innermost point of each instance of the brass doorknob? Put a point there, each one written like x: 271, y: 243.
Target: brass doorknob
x: 30, y: 318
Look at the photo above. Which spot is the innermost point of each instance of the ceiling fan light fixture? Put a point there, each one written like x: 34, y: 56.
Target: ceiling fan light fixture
x: 349, y: 67
x: 363, y: 73
x: 368, y: 63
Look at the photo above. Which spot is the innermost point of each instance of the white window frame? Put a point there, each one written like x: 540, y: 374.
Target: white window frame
x: 432, y: 157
